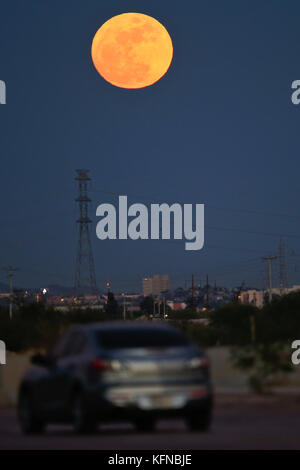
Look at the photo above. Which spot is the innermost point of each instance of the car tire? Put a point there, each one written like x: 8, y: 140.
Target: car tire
x: 83, y: 422
x: 29, y: 422
x: 145, y: 424
x: 200, y: 421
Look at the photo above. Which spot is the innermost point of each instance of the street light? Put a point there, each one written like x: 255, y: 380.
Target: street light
x: 124, y: 306
x: 108, y: 290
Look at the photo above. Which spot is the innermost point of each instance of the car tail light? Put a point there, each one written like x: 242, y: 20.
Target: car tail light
x: 199, y: 363
x: 198, y: 393
x: 120, y: 396
x: 101, y: 364
x: 106, y: 364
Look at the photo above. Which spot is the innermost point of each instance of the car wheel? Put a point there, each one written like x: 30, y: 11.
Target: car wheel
x: 201, y: 421
x: 83, y: 422
x: 145, y: 424
x: 29, y: 422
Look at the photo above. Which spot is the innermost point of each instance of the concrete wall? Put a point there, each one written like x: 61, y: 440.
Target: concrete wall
x: 225, y: 377
x: 10, y: 376
x: 223, y: 374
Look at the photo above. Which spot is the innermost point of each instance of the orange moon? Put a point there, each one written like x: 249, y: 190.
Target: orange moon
x: 132, y: 50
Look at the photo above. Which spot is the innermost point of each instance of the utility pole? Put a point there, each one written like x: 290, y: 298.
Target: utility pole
x: 252, y: 328
x: 124, y: 306
x: 239, y: 294
x: 192, y: 291
x: 108, y: 288
x: 269, y: 259
x: 207, y: 292
x: 282, y: 266
x: 10, y: 270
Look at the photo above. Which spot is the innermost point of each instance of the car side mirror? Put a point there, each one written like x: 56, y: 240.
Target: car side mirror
x: 43, y: 360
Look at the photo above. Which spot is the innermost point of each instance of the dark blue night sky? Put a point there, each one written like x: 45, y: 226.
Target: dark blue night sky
x: 218, y: 129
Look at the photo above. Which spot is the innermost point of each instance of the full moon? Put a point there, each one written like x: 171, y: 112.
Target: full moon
x: 132, y: 50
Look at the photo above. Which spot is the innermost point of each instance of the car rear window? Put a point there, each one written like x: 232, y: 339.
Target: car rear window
x: 140, y: 338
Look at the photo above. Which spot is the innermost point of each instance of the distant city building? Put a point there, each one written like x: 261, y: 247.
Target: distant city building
x: 286, y: 290
x: 160, y: 283
x: 156, y: 285
x: 293, y: 289
x: 147, y: 286
x: 254, y: 297
x: 176, y: 305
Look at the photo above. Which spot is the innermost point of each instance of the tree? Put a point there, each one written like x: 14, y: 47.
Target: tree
x: 277, y: 325
x: 280, y: 319
x: 32, y: 326
x: 112, y: 307
x: 233, y: 323
x: 146, y: 305
x: 263, y: 362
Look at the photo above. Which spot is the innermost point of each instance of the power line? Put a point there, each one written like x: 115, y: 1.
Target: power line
x: 249, y: 211
x: 246, y: 211
x: 282, y: 266
x: 271, y: 234
x: 223, y: 228
x: 227, y: 229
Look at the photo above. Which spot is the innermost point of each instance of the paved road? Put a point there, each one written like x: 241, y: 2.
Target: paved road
x: 247, y: 423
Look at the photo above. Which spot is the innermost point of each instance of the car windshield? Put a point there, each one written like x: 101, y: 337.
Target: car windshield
x: 140, y: 338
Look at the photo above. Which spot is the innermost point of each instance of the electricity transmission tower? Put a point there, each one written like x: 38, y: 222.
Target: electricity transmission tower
x: 85, y: 278
x: 10, y: 274
x: 269, y: 259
